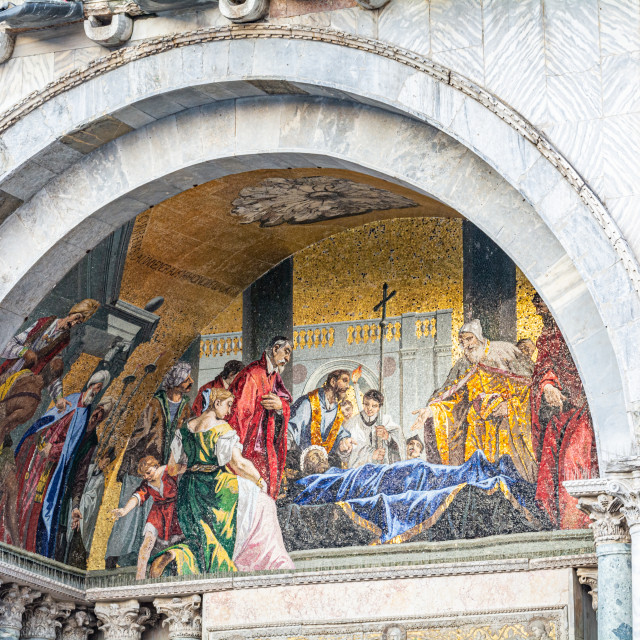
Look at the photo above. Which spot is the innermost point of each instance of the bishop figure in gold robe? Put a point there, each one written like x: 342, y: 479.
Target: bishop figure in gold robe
x: 483, y: 405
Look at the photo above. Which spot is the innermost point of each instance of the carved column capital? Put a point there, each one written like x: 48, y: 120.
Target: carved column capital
x: 122, y: 620
x: 589, y: 577
x: 183, y: 616
x: 628, y: 492
x: 13, y: 601
x: 78, y: 625
x: 605, y: 510
x: 41, y: 618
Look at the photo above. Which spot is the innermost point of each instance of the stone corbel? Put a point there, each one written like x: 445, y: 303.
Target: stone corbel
x: 589, y: 577
x: 42, y: 618
x: 183, y: 616
x: 370, y: 5
x: 7, y: 42
x: 109, y: 31
x: 122, y: 620
x: 13, y: 602
x: 243, y: 10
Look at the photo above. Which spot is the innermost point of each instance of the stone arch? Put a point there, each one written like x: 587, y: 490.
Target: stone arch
x: 536, y: 207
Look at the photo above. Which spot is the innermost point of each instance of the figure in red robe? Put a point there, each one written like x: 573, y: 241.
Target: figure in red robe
x: 261, y: 410
x: 561, y: 428
x: 222, y: 381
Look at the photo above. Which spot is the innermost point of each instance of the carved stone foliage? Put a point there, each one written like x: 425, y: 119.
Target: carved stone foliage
x: 13, y: 601
x: 78, y: 625
x: 589, y: 576
x: 303, y: 200
x: 629, y: 494
x: 183, y: 616
x: 609, y: 524
x: 42, y: 618
x: 122, y: 620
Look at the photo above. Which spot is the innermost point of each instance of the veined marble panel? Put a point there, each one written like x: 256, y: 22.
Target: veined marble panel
x: 581, y: 142
x: 406, y: 22
x: 455, y: 24
x: 620, y: 82
x: 574, y: 96
x: 514, y: 61
x: 619, y: 26
x: 625, y: 212
x: 468, y: 62
x: 571, y: 35
x: 621, y: 145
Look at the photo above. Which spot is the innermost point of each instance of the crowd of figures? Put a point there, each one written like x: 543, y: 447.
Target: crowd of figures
x: 203, y: 484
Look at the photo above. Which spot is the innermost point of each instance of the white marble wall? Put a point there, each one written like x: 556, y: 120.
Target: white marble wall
x: 572, y: 67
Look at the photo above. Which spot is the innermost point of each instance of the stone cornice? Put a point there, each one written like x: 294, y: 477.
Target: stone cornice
x: 442, y: 74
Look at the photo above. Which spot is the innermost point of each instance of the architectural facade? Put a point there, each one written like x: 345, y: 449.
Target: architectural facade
x: 183, y: 180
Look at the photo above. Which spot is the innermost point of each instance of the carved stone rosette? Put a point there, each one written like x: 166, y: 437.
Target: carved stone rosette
x: 122, y: 620
x: 589, y: 577
x: 13, y: 601
x: 78, y: 625
x: 41, y: 618
x: 183, y: 616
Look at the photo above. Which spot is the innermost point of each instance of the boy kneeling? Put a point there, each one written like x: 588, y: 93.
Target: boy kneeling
x: 162, y: 527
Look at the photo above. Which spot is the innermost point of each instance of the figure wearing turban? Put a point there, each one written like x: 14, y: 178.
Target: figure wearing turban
x: 44, y: 459
x: 483, y: 405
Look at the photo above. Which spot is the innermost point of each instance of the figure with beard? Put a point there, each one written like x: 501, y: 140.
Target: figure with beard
x: 378, y: 439
x: 152, y: 436
x: 317, y: 418
x: 43, y: 341
x: 260, y: 413
x: 222, y: 381
x: 563, y: 437
x: 483, y: 405
x: 44, y: 458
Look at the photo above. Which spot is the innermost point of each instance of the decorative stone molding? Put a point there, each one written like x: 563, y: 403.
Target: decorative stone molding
x: 7, y: 42
x: 13, y: 601
x: 244, y: 11
x: 78, y: 626
x: 115, y: 32
x: 41, y: 618
x: 609, y: 524
x: 122, y: 620
x: 589, y: 577
x: 183, y: 616
x: 442, y: 74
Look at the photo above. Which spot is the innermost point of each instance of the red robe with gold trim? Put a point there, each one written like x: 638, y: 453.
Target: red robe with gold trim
x: 563, y: 439
x: 263, y: 433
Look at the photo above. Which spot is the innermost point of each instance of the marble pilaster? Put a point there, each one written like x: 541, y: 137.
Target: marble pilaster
x: 613, y: 550
x: 182, y: 616
x: 13, y: 602
x: 122, y: 620
x: 41, y: 618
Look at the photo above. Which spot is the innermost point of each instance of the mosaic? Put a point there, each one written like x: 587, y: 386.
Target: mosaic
x: 421, y: 389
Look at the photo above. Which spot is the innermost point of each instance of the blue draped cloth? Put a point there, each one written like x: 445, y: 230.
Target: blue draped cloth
x: 398, y: 501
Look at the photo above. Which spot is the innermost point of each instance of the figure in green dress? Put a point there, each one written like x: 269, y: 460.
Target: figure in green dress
x: 228, y: 520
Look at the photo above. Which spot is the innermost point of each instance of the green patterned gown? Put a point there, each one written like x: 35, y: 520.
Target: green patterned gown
x: 207, y: 506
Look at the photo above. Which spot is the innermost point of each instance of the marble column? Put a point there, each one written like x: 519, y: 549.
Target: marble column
x: 613, y: 550
x: 13, y: 601
x: 41, y: 618
x: 122, y: 620
x: 628, y: 492
x: 183, y: 616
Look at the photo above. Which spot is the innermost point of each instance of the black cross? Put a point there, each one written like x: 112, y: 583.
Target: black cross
x: 383, y: 302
